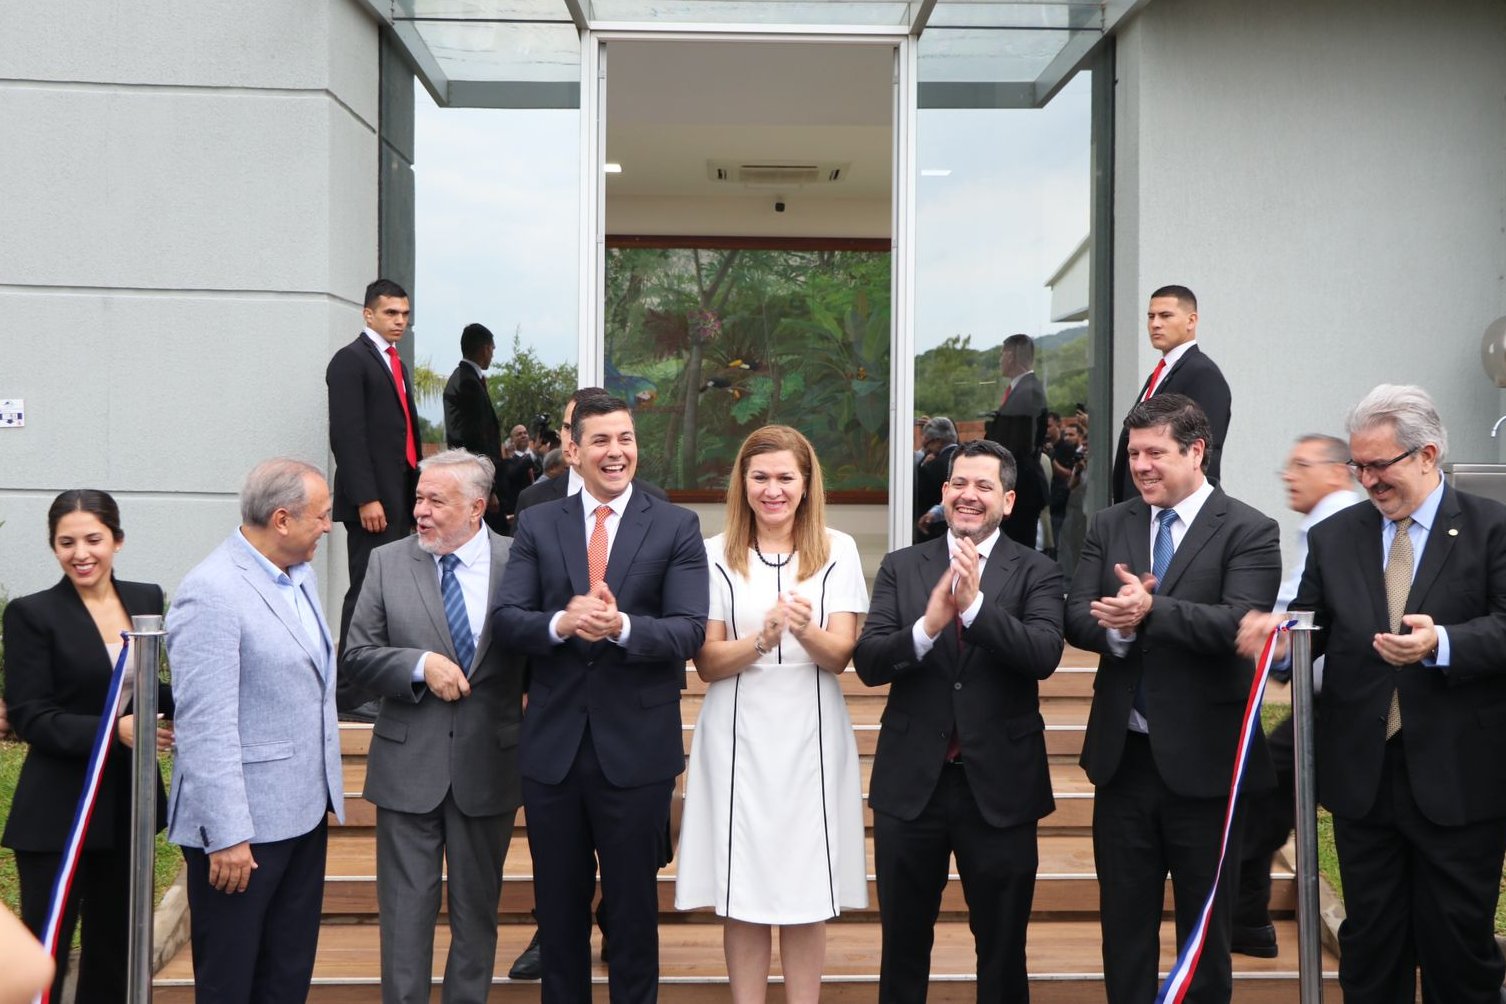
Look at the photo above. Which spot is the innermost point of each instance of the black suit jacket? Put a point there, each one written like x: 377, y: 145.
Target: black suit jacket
x: 368, y: 435
x: 1454, y: 718
x: 628, y: 696
x: 470, y: 421
x: 57, y: 676
x: 985, y: 688
x: 1199, y: 378
x: 1196, y: 684
x: 554, y: 490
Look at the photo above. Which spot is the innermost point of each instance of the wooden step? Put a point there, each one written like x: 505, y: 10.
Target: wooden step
x: 1066, y: 881
x: 1063, y: 957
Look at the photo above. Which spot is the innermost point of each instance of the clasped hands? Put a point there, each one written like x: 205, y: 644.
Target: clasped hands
x: 592, y: 617
x: 125, y: 728
x: 792, y: 611
x: 1126, y: 609
x: 1395, y: 649
x: 956, y: 590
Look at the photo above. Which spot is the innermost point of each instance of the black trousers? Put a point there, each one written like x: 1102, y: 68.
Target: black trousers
x: 997, y: 867
x: 101, y: 892
x: 1268, y: 821
x: 257, y: 946
x: 1417, y: 894
x: 572, y: 825
x: 1142, y: 831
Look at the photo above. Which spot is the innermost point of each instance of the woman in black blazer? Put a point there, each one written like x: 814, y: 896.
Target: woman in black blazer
x: 57, y: 674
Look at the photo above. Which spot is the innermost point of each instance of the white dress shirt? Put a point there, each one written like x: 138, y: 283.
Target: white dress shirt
x: 924, y: 642
x: 588, y: 506
x: 382, y: 345
x: 1326, y: 507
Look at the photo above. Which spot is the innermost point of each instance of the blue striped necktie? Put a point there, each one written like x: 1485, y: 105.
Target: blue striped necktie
x: 454, y: 613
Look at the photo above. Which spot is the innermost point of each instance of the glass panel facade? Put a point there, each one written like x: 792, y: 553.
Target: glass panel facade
x: 753, y: 12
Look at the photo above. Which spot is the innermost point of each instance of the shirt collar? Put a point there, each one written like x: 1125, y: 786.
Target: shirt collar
x: 382, y: 345
x: 479, y: 371
x: 1176, y: 354
x: 575, y: 482
x: 984, y: 549
x: 1428, y: 511
x: 294, y: 576
x: 1016, y: 381
x: 1328, y: 505
x: 472, y: 550
x: 1189, y: 507
x: 618, y: 504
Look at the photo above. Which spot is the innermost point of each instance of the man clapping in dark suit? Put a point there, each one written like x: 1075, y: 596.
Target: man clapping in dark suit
x: 470, y: 421
x: 962, y: 629
x: 606, y: 592
x: 1409, y: 597
x: 1159, y: 589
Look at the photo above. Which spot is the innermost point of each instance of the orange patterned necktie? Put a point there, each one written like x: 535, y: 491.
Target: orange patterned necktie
x: 596, y: 550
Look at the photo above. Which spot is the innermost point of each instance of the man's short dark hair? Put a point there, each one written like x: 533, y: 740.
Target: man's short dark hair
x: 592, y: 406
x: 581, y: 393
x: 987, y: 448
x: 1184, y: 296
x: 473, y: 338
x: 1023, y: 347
x: 381, y: 288
x: 1053, y: 416
x: 1181, y: 416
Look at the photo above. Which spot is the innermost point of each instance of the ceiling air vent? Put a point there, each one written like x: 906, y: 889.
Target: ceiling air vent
x: 773, y: 174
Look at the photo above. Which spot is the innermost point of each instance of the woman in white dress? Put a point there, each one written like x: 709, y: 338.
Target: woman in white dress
x: 772, y: 834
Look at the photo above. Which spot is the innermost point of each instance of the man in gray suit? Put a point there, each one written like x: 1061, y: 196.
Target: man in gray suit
x: 258, y: 760
x: 443, y: 769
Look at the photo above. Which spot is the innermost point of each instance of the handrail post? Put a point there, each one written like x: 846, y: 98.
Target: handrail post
x: 146, y: 651
x: 1309, y: 944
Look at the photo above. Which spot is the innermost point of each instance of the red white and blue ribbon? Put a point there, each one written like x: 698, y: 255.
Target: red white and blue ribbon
x: 1179, y: 980
x: 103, y: 736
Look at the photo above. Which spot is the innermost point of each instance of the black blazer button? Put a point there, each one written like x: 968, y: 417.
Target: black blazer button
x: 957, y: 685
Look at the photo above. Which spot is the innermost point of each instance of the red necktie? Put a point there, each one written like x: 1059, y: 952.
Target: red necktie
x: 596, y: 550
x: 1005, y: 399
x: 402, y: 399
x: 1155, y: 378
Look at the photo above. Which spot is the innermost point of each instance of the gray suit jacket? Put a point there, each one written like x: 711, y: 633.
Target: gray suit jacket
x: 421, y: 746
x: 258, y: 754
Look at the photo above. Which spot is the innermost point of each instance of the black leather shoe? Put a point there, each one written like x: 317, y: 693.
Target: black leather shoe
x: 528, y: 966
x: 1257, y: 942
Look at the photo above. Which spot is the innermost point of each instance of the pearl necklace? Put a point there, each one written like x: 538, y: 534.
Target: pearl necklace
x: 772, y: 564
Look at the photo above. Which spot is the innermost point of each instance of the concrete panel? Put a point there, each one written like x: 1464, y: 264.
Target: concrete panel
x: 353, y: 220
x: 1331, y: 180
x: 284, y: 44
x: 175, y: 190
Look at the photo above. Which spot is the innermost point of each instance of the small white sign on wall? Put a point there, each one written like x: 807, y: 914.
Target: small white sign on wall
x: 12, y: 413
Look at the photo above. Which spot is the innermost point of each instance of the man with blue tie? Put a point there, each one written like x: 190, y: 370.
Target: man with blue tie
x: 258, y: 748
x: 442, y: 770
x: 606, y: 593
x: 1158, y: 592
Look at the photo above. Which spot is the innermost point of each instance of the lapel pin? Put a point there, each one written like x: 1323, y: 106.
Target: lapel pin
x: 1452, y: 532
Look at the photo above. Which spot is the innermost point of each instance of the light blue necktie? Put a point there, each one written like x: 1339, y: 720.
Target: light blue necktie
x: 1160, y: 561
x: 454, y: 612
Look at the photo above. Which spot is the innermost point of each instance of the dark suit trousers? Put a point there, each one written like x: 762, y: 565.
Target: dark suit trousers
x: 102, y: 892
x: 412, y: 848
x: 1141, y: 831
x: 570, y: 826
x: 1268, y: 821
x: 1417, y: 893
x: 257, y: 946
x: 997, y: 867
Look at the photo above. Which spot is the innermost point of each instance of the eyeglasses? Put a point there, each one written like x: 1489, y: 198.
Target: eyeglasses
x: 1306, y: 465
x: 1378, y: 466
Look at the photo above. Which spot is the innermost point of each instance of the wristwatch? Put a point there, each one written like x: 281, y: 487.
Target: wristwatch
x: 759, y: 646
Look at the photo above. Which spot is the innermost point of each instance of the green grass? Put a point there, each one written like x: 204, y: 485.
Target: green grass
x: 11, y: 755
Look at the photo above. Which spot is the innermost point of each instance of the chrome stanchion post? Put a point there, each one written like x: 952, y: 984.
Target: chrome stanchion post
x: 146, y: 650
x: 1309, y: 945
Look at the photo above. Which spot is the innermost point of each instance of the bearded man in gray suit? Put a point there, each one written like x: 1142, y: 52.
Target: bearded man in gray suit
x: 442, y: 770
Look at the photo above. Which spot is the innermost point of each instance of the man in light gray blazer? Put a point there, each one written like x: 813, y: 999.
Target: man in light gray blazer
x: 258, y: 748
x: 443, y: 769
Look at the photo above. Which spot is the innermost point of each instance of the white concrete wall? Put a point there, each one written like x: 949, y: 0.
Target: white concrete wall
x: 188, y: 217
x: 1330, y: 178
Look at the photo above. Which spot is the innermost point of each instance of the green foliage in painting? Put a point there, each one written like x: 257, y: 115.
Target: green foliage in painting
x: 709, y: 344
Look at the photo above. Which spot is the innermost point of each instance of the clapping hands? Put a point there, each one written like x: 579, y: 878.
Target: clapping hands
x: 592, y: 617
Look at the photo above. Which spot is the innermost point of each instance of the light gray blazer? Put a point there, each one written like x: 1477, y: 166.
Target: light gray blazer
x: 258, y: 754
x: 421, y: 746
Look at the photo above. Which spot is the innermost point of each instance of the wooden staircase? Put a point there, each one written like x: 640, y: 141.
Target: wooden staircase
x: 1064, y: 942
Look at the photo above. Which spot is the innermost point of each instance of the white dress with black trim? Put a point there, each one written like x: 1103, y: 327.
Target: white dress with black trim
x: 773, y: 826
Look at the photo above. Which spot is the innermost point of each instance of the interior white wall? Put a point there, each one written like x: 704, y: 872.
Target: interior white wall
x: 189, y: 218
x: 1331, y: 181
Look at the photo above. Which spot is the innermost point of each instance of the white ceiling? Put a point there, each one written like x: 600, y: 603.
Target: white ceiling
x: 672, y: 106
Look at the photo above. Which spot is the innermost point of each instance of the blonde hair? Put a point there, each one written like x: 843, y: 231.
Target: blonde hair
x: 809, y: 533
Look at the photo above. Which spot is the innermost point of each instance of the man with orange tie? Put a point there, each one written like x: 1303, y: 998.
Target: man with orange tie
x: 1182, y: 369
x: 373, y: 433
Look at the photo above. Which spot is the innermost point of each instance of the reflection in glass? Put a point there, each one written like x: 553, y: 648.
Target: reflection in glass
x: 709, y: 343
